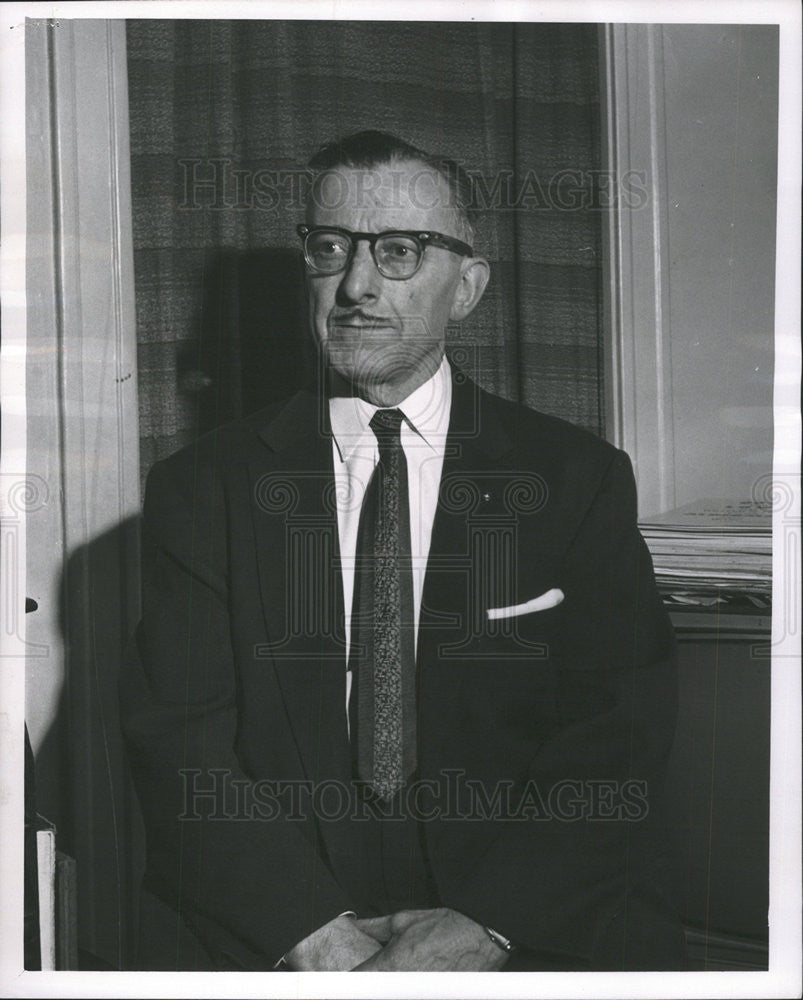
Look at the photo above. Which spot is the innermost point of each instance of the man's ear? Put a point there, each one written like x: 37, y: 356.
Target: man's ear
x: 474, y: 275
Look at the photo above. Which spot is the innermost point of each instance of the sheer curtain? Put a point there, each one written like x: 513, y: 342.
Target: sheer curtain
x: 224, y: 115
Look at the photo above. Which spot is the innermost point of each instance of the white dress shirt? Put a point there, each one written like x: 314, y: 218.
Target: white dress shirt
x: 355, y: 452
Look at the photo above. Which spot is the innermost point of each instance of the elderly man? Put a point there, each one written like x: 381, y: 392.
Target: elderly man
x: 404, y: 690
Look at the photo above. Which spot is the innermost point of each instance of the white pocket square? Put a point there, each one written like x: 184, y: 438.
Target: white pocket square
x: 550, y: 599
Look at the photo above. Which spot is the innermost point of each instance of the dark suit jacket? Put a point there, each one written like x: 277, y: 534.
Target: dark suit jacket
x: 239, y: 664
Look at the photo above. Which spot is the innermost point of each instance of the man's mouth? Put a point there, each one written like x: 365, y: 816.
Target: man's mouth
x: 361, y: 321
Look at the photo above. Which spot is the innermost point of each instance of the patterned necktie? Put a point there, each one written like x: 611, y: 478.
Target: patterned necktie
x: 382, y: 654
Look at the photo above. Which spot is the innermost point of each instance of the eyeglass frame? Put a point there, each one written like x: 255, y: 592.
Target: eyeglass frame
x: 426, y: 238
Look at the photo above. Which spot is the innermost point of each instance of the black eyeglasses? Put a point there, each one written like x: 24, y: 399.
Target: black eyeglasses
x: 397, y: 253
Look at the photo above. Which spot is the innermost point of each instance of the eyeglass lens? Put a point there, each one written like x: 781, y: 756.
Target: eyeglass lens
x: 396, y: 256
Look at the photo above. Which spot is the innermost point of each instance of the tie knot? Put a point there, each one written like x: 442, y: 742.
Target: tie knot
x: 386, y: 425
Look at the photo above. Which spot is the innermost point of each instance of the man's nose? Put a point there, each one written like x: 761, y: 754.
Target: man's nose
x: 361, y: 279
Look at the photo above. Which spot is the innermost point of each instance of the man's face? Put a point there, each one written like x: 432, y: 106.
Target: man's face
x: 383, y: 335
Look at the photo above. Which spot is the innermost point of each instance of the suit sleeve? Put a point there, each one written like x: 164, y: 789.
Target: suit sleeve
x: 249, y: 888
x: 586, y: 883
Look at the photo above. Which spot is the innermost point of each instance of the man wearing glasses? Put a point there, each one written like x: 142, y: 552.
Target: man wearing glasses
x: 404, y: 690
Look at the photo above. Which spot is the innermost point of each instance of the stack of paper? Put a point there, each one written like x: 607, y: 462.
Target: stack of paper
x: 710, y: 545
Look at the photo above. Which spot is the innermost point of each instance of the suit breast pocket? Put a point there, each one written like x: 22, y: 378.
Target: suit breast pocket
x: 525, y: 639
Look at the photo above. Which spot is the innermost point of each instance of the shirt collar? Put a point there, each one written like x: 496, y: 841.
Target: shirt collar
x: 426, y: 410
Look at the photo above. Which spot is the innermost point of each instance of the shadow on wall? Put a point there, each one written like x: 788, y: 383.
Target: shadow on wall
x: 82, y: 779
x: 251, y: 348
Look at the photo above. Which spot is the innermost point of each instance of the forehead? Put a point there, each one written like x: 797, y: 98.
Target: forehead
x: 403, y: 195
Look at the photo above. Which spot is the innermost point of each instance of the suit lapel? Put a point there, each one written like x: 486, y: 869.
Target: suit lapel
x: 471, y: 494
x: 488, y: 550
x: 295, y: 526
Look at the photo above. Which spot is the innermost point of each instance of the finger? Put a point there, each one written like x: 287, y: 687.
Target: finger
x: 375, y: 963
x: 379, y: 928
x: 400, y: 921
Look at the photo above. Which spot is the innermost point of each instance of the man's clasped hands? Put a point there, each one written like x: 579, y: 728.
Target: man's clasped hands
x: 410, y: 940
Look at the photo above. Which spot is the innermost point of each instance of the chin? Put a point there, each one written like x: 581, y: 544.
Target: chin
x: 379, y: 371
x: 387, y: 362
